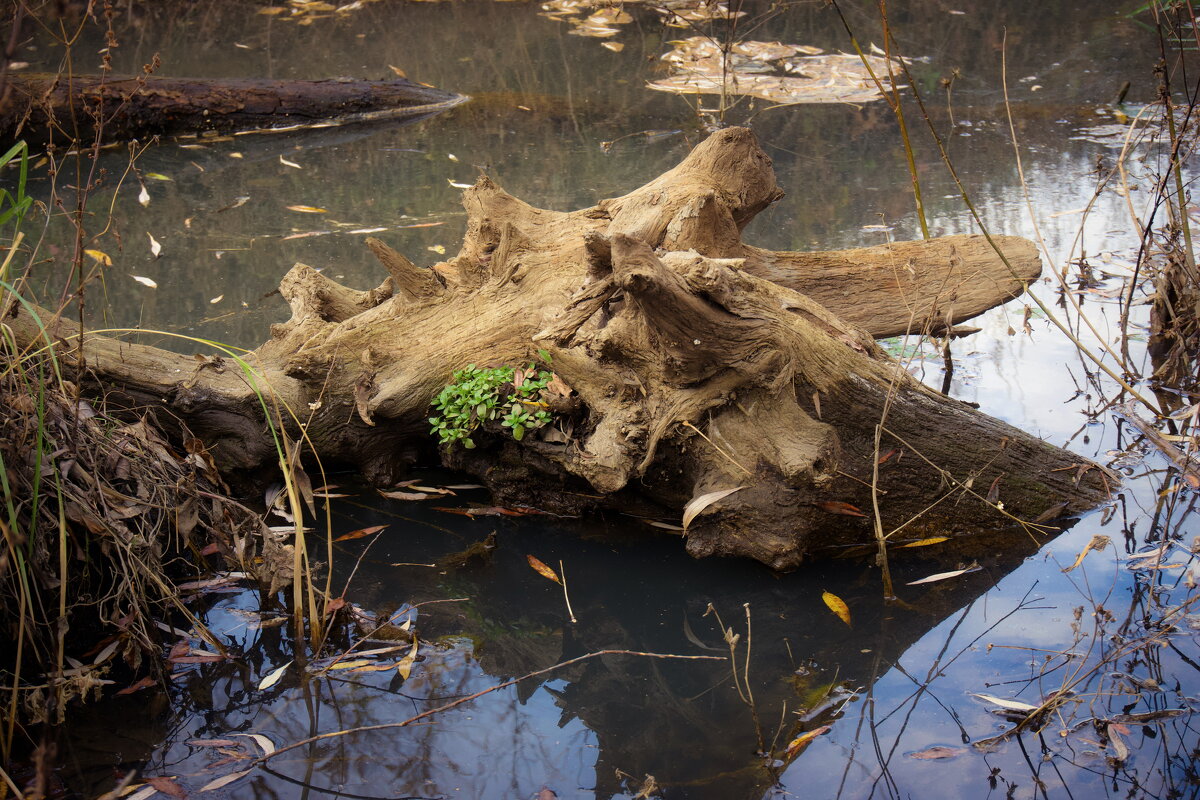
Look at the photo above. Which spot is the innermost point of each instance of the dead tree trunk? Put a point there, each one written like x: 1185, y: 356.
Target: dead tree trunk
x: 82, y: 108
x: 697, y: 364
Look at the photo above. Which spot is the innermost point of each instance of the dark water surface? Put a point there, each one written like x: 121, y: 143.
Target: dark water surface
x: 895, y: 684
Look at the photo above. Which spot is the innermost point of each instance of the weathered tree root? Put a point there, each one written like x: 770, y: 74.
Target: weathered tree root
x: 699, y: 363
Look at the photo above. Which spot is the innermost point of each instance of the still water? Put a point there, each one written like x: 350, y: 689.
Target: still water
x: 899, y: 682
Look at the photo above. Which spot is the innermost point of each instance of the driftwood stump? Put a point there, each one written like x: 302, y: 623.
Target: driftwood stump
x: 697, y: 364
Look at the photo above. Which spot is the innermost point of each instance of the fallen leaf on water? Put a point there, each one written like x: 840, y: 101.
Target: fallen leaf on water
x: 143, y: 793
x: 212, y: 743
x: 217, y: 299
x: 144, y: 281
x: 838, y: 606
x: 305, y: 235
x: 263, y: 742
x: 838, y: 507
x: 404, y: 495
x: 404, y: 666
x: 238, y: 202
x: 797, y: 744
x: 437, y: 248
x: 155, y: 247
x: 542, y: 569
x: 452, y: 157
x: 100, y: 256
x: 667, y: 526
x: 225, y: 780
x: 616, y: 47
x: 137, y: 686
x: 287, y: 163
x: 422, y: 225
x: 398, y: 71
x: 166, y: 785
x: 1011, y: 705
x: 273, y: 677
x: 308, y: 209
x: 937, y: 751
x: 158, y: 176
x: 144, y: 197
x: 357, y: 662
x: 926, y: 542
x: 360, y: 533
x: 466, y: 486
x: 696, y: 505
x: 367, y: 230
x: 941, y: 576
x: 1097, y: 542
x: 458, y: 185
x: 1120, y: 749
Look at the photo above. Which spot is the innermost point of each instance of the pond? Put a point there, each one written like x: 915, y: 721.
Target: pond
x: 900, y: 697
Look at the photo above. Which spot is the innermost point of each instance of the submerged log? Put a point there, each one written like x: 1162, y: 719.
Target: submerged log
x: 82, y: 108
x: 690, y: 370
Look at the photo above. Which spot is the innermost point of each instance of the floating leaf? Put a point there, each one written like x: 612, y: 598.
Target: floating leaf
x: 158, y: 176
x: 308, y: 209
x: 437, y: 248
x: 144, y: 281
x: 616, y: 47
x: 360, y: 533
x: 404, y: 495
x: 838, y: 507
x: 155, y: 247
x: 458, y: 185
x: 798, y: 744
x: 100, y: 256
x: 287, y: 163
x: 926, y: 542
x: 542, y: 569
x: 166, y: 785
x: 1097, y: 542
x: 143, y: 793
x: 941, y: 576
x: 838, y: 606
x: 225, y: 780
x: 273, y: 677
x: 351, y: 664
x: 452, y: 157
x: 265, y: 744
x: 404, y: 666
x: 144, y: 197
x: 217, y: 299
x: 398, y: 71
x: 696, y: 505
x: 212, y: 743
x: 1010, y: 705
x: 936, y: 752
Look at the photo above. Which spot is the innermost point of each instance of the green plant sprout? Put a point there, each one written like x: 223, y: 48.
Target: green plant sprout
x: 476, y: 396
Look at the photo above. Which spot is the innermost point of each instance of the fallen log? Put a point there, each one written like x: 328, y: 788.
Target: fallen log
x: 84, y: 108
x: 687, y: 373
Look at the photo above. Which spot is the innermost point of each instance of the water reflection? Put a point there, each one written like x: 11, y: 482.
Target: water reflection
x: 544, y: 104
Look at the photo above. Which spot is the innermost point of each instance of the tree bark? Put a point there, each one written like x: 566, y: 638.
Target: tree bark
x: 84, y: 108
x: 691, y: 370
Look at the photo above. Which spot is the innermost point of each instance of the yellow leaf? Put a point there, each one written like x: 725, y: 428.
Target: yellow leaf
x: 797, y: 744
x: 437, y: 248
x: 100, y: 256
x: 926, y: 542
x: 357, y: 662
x: 308, y: 209
x: 542, y: 569
x: 404, y: 665
x: 838, y: 606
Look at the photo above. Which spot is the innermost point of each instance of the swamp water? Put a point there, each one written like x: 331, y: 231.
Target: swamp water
x: 560, y: 121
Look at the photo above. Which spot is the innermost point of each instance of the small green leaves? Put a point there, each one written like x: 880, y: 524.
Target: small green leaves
x: 478, y: 396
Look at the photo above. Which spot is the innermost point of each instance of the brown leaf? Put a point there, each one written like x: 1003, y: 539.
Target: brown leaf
x: 360, y: 533
x: 212, y: 743
x: 883, y: 459
x: 1050, y: 513
x: 838, y: 507
x: 542, y: 569
x: 166, y: 785
x: 993, y: 495
x: 937, y: 751
x: 137, y: 686
x: 1097, y: 542
x: 362, y: 393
